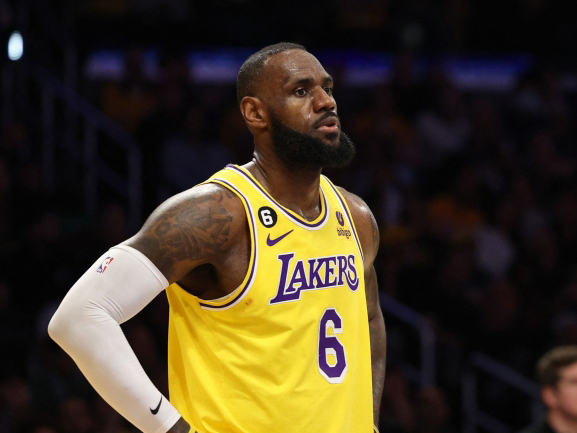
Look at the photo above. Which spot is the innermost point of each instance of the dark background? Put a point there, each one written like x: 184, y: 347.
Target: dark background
x: 474, y: 187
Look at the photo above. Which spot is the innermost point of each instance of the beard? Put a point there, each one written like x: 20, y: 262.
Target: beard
x: 302, y: 151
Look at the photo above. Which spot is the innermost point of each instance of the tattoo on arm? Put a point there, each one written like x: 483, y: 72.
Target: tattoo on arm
x: 193, y: 229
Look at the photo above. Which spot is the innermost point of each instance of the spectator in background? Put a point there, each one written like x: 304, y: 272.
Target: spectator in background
x: 445, y: 130
x: 6, y: 210
x: 432, y: 411
x: 188, y: 158
x: 557, y: 375
x: 165, y: 122
x: 75, y: 416
x: 397, y: 410
x: 129, y: 102
x: 457, y: 212
x: 15, y: 407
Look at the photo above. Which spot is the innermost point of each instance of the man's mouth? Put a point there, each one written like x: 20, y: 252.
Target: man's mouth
x: 330, y: 124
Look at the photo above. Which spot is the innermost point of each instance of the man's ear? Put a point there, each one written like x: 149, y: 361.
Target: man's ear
x: 254, y: 112
x: 549, y: 396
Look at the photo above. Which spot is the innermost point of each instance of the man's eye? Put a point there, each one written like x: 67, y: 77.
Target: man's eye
x: 301, y: 92
x: 329, y: 91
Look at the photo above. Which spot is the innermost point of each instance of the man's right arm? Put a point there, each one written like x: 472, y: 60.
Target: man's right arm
x: 192, y: 228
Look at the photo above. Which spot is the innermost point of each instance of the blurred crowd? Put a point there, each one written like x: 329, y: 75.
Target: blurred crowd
x: 541, y: 27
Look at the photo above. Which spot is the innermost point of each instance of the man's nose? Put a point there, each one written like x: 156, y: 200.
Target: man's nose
x: 322, y: 101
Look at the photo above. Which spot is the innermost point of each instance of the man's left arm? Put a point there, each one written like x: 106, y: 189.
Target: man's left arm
x: 368, y: 232
x: 376, y: 326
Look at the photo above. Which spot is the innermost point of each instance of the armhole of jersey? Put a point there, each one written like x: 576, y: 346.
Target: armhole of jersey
x: 240, y: 292
x: 343, y: 201
x: 317, y: 224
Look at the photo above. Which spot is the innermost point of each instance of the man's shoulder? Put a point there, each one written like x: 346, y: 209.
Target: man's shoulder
x: 203, y: 205
x: 208, y: 192
x: 192, y: 228
x: 204, y: 196
x: 357, y: 205
x: 365, y: 223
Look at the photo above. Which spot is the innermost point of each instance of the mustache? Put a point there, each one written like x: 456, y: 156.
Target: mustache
x: 326, y: 116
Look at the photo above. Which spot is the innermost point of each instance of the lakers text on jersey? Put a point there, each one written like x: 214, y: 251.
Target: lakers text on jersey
x: 288, y: 351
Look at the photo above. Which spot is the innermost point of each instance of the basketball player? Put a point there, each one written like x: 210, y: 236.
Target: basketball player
x: 275, y: 324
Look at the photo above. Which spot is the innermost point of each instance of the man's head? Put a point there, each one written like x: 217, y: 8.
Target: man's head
x: 286, y: 98
x: 557, y: 375
x: 251, y: 71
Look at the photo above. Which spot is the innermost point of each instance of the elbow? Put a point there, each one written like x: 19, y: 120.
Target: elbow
x: 72, y: 323
x: 56, y: 327
x: 60, y: 327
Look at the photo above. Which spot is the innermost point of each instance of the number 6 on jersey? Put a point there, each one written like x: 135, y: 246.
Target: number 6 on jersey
x: 332, y: 358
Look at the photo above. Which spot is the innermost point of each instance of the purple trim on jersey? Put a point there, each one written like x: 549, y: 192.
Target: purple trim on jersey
x: 346, y: 209
x: 287, y: 213
x: 251, y: 276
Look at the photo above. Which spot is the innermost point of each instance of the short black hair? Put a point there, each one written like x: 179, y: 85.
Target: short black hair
x: 251, y: 69
x: 550, y: 364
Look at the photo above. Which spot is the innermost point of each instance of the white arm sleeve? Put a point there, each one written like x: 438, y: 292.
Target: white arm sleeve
x: 87, y: 326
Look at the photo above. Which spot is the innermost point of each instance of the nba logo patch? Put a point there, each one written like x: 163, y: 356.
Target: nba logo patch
x: 340, y: 218
x: 104, y: 264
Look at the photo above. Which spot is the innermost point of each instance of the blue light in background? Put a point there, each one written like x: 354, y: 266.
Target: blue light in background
x: 15, y: 46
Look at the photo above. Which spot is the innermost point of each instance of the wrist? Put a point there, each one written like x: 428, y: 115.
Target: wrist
x: 181, y: 426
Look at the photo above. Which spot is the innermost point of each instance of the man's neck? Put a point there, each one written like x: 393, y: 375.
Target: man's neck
x: 561, y: 423
x: 296, y: 189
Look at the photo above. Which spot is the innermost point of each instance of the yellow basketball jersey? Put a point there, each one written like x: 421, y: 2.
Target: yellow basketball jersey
x: 288, y: 351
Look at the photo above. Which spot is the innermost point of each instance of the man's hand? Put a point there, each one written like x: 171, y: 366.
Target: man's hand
x: 181, y: 426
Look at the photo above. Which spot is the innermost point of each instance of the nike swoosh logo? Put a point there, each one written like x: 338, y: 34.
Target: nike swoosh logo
x: 270, y: 242
x: 155, y: 411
